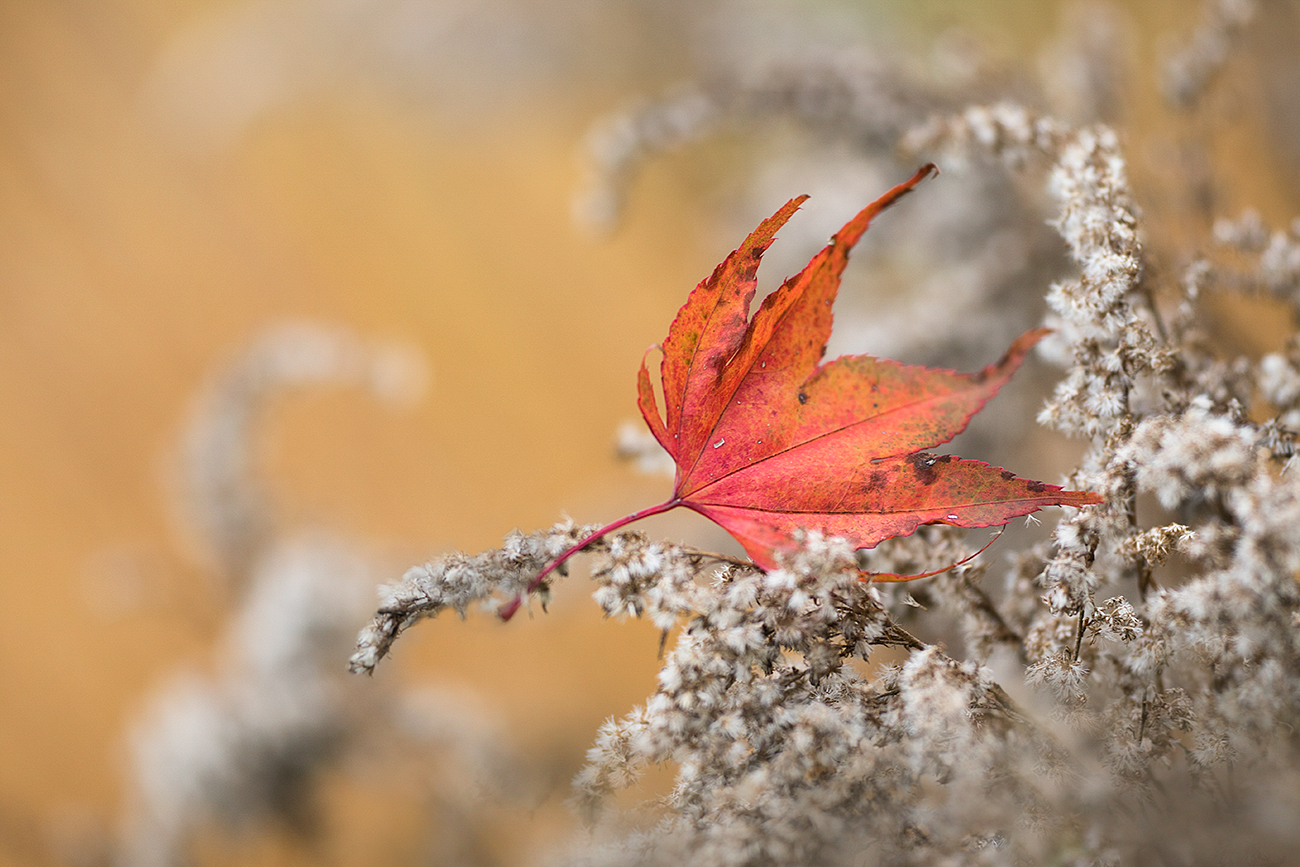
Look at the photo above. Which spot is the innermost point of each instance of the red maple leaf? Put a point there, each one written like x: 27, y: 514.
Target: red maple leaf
x: 768, y: 440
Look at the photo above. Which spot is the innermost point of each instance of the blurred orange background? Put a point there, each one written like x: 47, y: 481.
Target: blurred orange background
x: 165, y: 194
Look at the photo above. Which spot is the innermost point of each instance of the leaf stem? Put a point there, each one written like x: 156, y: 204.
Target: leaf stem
x: 509, y: 609
x: 886, y: 577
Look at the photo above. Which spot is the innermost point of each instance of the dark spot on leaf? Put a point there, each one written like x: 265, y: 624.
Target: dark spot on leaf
x: 1007, y: 475
x: 923, y: 465
x: 803, y: 398
x: 1036, y: 487
x: 876, y: 481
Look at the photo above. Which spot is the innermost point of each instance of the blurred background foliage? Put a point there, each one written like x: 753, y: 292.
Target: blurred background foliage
x: 176, y: 176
